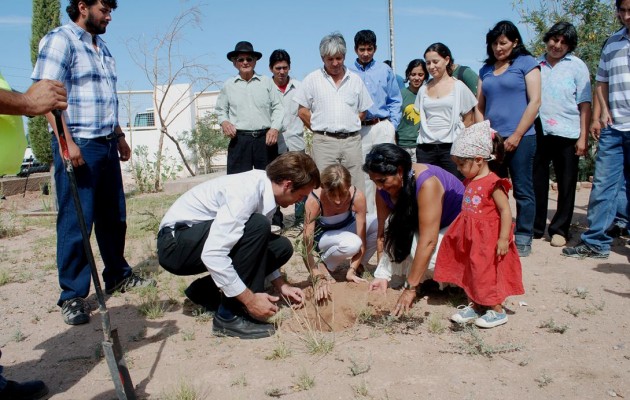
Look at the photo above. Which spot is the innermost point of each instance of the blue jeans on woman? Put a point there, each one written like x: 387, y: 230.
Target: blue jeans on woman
x: 611, y: 164
x: 102, y: 199
x: 520, y: 165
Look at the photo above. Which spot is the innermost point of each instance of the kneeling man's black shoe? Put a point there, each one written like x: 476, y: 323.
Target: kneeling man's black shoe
x: 242, y: 327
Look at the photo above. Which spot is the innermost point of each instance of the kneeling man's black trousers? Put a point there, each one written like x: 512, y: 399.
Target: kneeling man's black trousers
x: 257, y: 254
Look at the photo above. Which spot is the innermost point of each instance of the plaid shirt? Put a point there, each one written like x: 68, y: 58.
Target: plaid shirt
x: 66, y: 54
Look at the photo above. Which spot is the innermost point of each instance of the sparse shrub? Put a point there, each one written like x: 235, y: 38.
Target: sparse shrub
x: 544, y: 379
x: 188, y: 335
x: 10, y: 224
x: 474, y: 344
x: 304, y: 382
x: 552, y: 327
x: 151, y: 306
x: 280, y: 352
x: 202, y: 316
x: 361, y: 389
x: 436, y: 325
x: 5, y: 277
x: 18, y: 336
x: 240, y: 381
x: 274, y: 392
x: 581, y: 292
x: 145, y: 169
x: 317, y: 343
x: 183, y: 391
x: 365, y: 314
x: 572, y: 310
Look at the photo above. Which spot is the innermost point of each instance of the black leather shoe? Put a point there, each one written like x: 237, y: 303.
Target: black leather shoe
x: 242, y: 327
x: 30, y: 390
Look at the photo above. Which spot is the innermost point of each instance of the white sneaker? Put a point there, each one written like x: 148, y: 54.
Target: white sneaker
x: 491, y: 319
x: 464, y: 314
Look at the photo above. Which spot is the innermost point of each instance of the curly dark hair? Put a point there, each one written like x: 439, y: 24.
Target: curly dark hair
x: 73, y: 6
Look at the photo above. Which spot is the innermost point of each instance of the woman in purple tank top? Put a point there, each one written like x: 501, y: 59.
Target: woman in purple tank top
x: 415, y: 203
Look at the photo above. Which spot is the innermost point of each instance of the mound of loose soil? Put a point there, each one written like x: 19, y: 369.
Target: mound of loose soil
x: 340, y: 312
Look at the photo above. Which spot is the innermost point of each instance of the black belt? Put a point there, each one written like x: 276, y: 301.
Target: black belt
x: 373, y: 121
x: 429, y: 146
x: 169, y: 229
x: 254, y: 133
x: 338, y: 135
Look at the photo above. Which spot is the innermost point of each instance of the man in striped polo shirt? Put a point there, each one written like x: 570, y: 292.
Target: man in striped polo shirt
x: 613, y: 93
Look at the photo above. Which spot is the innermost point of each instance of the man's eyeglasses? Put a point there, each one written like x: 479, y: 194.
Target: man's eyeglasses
x: 243, y: 59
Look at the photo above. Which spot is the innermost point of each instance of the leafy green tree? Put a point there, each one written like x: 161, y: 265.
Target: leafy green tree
x: 206, y: 140
x: 594, y: 20
x: 45, y: 18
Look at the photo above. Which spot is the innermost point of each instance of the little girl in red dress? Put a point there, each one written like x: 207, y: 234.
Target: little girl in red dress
x: 478, y: 252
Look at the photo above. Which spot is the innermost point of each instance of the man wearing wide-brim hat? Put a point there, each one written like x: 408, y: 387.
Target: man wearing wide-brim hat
x: 250, y: 112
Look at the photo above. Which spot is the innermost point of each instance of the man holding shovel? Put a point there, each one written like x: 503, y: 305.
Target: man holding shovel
x: 76, y: 55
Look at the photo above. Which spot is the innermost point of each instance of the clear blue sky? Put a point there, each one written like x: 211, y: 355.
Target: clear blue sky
x: 297, y: 26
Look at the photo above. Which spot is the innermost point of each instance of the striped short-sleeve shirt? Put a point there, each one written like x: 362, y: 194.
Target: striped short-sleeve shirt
x: 614, y: 69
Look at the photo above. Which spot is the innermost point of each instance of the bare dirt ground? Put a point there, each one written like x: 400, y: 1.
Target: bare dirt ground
x: 567, y: 337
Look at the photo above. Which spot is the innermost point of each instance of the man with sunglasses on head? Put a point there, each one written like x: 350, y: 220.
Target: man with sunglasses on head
x: 250, y: 112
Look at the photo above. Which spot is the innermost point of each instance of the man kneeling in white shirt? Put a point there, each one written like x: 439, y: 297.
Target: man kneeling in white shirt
x: 224, y: 226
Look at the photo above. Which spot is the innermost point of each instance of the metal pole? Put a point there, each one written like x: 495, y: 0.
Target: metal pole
x: 391, y: 34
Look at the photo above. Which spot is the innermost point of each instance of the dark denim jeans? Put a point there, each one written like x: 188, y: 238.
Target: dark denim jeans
x: 611, y: 165
x: 103, y: 201
x: 520, y: 165
x: 438, y: 154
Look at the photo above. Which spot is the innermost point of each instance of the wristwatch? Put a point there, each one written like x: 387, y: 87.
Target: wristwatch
x: 408, y: 286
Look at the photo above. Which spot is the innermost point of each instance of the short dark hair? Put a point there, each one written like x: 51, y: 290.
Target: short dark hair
x: 566, y: 30
x: 279, y: 55
x: 444, y: 52
x: 73, y: 6
x: 364, y: 37
x: 511, y: 32
x: 294, y: 166
x: 618, y: 4
x: 418, y: 62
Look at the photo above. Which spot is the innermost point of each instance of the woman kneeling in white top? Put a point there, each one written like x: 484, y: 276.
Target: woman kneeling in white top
x: 337, y: 228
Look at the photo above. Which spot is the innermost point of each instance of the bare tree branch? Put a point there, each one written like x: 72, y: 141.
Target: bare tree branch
x: 164, y: 66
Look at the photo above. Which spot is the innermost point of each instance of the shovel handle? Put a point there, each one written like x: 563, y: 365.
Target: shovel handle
x: 62, y: 135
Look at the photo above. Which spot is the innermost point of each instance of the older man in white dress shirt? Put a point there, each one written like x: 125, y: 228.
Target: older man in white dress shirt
x: 333, y: 101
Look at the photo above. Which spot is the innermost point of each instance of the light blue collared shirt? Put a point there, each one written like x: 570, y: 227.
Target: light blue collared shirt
x: 564, y: 87
x: 382, y: 85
